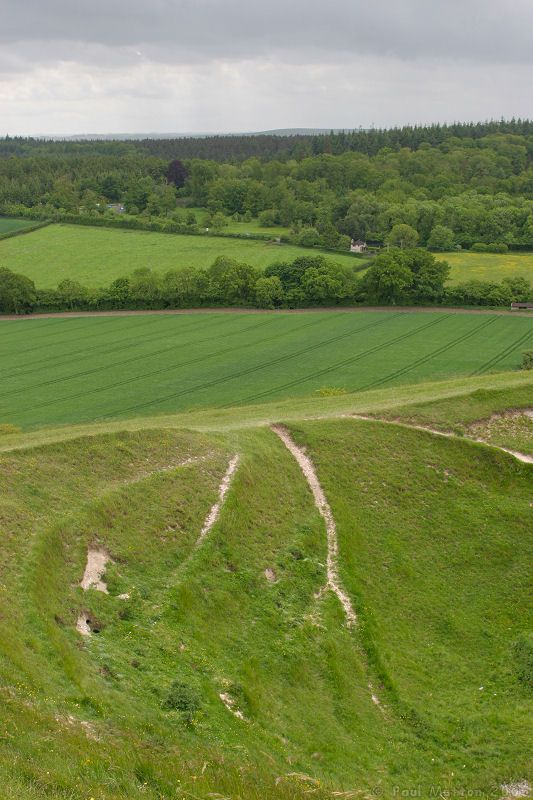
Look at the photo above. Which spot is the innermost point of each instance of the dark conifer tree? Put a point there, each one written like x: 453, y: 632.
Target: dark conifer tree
x: 176, y: 173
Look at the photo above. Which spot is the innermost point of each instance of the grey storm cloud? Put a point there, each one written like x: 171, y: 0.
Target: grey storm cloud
x: 187, y: 31
x: 68, y: 66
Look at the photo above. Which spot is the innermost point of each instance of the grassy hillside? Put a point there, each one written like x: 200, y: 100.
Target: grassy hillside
x: 96, y: 256
x: 73, y: 370
x: 512, y: 430
x: 135, y: 709
x: 429, y: 562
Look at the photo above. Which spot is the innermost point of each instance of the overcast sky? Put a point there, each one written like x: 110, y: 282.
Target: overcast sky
x: 110, y: 66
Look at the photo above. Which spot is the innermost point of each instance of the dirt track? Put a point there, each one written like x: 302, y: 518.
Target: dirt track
x: 237, y: 310
x: 333, y: 579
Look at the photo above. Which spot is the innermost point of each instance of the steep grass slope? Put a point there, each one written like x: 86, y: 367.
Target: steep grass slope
x: 438, y: 564
x: 57, y: 371
x: 512, y: 430
x: 216, y: 666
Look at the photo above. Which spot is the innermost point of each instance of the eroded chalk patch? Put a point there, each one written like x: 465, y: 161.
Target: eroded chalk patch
x: 214, y: 513
x: 95, y: 568
x: 83, y: 626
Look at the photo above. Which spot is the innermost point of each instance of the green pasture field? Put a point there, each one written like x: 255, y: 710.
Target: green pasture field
x: 8, y: 225
x: 72, y: 370
x: 488, y: 266
x: 96, y: 256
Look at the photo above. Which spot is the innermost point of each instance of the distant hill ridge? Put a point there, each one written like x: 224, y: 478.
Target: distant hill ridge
x: 81, y: 137
x: 282, y: 144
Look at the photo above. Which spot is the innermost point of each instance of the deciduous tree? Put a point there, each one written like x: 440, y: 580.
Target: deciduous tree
x: 17, y: 292
x: 403, y: 236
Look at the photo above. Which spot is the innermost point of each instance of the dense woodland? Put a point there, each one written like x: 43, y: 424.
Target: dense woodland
x: 453, y: 186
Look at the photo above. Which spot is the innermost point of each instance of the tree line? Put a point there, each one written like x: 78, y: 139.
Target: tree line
x: 397, y: 276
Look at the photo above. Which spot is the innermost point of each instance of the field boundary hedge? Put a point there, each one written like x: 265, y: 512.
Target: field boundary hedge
x: 21, y: 231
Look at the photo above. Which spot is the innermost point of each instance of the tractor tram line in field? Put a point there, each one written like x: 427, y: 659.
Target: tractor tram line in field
x: 255, y: 364
x: 250, y: 370
x: 85, y: 328
x: 19, y: 324
x: 345, y: 362
x: 194, y: 361
x: 133, y: 359
x: 424, y: 359
x: 43, y: 335
x: 503, y: 353
x: 148, y: 320
x: 121, y: 344
x: 125, y: 343
x: 45, y: 362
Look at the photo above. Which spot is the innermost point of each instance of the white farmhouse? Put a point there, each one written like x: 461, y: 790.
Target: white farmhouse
x: 357, y: 246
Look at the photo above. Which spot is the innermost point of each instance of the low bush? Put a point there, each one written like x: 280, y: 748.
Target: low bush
x: 523, y: 658
x: 184, y: 698
x: 492, y: 247
x: 330, y: 391
x: 268, y: 218
x: 7, y: 429
x: 309, y: 237
x: 497, y: 247
x: 527, y: 359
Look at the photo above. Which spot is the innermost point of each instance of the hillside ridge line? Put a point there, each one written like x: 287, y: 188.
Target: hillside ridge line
x: 523, y: 457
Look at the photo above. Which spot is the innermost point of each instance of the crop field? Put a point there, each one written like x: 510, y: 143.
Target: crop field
x: 7, y: 225
x: 489, y: 266
x: 82, y: 369
x: 96, y: 256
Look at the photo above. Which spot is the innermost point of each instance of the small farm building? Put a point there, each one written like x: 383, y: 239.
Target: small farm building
x: 357, y: 246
